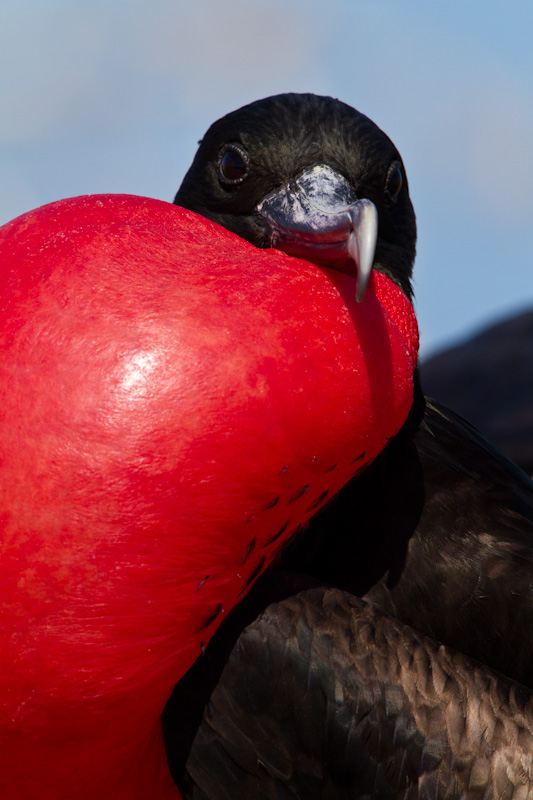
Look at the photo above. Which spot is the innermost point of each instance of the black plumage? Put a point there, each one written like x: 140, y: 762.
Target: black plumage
x: 280, y: 137
x: 322, y: 696
x: 439, y: 530
x: 446, y: 542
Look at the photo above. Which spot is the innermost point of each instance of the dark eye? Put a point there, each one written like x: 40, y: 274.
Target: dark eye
x: 233, y: 164
x: 394, y: 182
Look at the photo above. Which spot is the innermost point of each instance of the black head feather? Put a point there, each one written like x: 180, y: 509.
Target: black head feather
x: 279, y: 137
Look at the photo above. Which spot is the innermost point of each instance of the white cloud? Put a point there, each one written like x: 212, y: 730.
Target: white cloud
x: 213, y: 49
x: 48, y: 55
x: 70, y: 67
x: 477, y: 141
x: 499, y: 150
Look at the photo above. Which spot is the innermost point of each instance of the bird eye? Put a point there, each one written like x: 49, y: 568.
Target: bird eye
x: 233, y: 164
x: 394, y: 182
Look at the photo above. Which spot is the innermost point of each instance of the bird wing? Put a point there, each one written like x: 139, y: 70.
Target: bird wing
x: 323, y: 696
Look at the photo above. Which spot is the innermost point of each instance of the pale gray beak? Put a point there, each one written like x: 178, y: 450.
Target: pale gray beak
x: 317, y: 216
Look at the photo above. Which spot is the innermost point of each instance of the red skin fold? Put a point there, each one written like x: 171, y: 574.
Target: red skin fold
x: 174, y: 403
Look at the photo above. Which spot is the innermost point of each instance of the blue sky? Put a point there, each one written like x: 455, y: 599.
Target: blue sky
x: 112, y: 96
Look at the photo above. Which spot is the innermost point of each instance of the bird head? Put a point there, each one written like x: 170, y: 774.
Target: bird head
x: 313, y: 177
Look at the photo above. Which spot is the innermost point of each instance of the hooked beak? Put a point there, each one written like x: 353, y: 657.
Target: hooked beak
x: 318, y: 217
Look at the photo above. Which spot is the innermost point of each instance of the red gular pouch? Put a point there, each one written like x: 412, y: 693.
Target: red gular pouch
x: 174, y: 405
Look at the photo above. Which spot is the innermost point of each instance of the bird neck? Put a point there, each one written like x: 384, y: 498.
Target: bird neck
x: 418, y: 406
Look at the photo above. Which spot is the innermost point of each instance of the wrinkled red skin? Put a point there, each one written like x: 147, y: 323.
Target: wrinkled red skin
x: 173, y: 404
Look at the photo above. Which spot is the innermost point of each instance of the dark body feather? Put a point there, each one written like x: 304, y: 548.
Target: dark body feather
x: 322, y: 696
x: 438, y: 532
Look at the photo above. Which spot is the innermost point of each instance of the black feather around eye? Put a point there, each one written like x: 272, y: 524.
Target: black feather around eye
x: 394, y: 181
x: 233, y: 164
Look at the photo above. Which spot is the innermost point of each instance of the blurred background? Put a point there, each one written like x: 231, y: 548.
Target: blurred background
x: 112, y: 96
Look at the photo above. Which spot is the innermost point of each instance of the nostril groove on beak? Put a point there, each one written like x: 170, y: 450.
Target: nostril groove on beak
x: 317, y: 216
